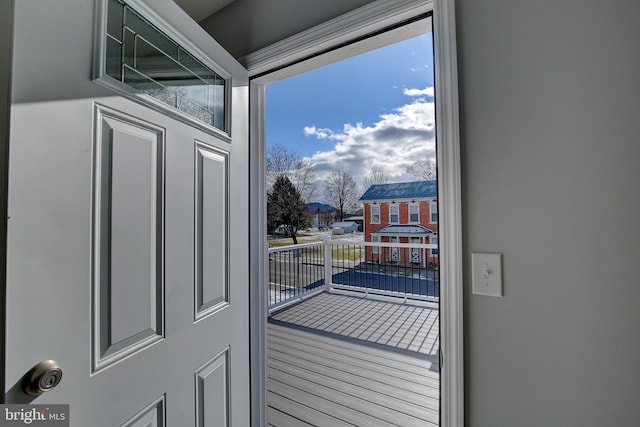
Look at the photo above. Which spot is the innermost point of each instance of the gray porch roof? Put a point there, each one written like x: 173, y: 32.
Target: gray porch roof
x: 396, y: 230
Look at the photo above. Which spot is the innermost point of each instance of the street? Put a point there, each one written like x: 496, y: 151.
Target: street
x: 305, y: 275
x: 389, y: 282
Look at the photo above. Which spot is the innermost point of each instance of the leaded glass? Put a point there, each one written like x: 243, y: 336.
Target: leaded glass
x: 113, y: 63
x: 144, y: 58
x: 115, y: 18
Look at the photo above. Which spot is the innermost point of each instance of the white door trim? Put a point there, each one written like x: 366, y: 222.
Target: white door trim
x: 258, y: 254
x: 287, y: 58
x: 359, y: 23
x: 450, y: 215
x: 6, y: 59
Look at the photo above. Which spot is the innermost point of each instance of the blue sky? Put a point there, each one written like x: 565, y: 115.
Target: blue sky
x: 372, y: 110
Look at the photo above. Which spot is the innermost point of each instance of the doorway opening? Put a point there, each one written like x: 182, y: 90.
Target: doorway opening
x: 341, y: 38
x: 352, y: 273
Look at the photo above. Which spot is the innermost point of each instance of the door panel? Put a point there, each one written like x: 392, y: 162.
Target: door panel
x: 151, y: 416
x: 128, y: 288
x: 127, y: 254
x: 212, y: 392
x: 211, y: 207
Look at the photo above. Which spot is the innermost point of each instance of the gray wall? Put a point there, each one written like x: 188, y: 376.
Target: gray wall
x: 549, y: 114
x: 246, y: 26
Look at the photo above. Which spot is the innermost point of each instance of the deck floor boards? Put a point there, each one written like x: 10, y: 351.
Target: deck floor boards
x: 340, y: 360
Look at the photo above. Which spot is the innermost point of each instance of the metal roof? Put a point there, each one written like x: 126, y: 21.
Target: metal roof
x: 404, y: 229
x: 344, y: 224
x: 401, y: 190
x: 316, y: 206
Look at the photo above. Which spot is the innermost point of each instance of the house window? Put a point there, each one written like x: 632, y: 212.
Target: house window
x: 393, y: 214
x: 433, y: 210
x: 375, y: 249
x: 434, y: 241
x: 414, y: 215
x: 375, y: 214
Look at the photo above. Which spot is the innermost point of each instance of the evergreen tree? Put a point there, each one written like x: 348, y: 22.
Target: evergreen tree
x: 285, y: 208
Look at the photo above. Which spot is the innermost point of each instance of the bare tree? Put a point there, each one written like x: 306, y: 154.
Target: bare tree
x: 422, y: 168
x: 376, y: 176
x: 340, y: 191
x: 283, y: 161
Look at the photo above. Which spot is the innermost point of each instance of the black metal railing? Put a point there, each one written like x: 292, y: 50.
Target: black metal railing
x: 396, y: 269
x: 295, y: 271
x: 409, y: 271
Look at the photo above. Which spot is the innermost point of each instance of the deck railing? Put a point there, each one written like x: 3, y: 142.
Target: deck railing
x: 295, y: 272
x: 406, y: 270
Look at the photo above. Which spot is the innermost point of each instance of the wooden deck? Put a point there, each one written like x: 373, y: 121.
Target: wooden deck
x: 339, y: 360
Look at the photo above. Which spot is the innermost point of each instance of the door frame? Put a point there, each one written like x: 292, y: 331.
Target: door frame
x: 363, y: 22
x: 6, y: 64
x: 367, y: 28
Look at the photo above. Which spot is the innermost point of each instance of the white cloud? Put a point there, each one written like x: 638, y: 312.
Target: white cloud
x: 391, y: 144
x: 320, y: 133
x: 428, y: 91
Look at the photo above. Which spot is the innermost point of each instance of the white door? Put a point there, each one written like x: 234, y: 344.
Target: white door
x: 415, y: 252
x: 127, y: 247
x: 394, y: 249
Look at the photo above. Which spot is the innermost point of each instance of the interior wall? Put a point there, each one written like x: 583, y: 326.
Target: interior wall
x: 550, y: 157
x: 246, y: 26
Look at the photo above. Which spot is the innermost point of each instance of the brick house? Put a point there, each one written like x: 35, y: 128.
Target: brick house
x: 404, y: 212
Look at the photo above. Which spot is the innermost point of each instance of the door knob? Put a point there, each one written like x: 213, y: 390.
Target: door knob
x: 42, y: 377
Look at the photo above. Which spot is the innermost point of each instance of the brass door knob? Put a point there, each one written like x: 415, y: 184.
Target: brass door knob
x: 42, y: 377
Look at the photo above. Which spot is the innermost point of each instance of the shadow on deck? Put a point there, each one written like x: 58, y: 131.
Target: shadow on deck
x: 338, y: 360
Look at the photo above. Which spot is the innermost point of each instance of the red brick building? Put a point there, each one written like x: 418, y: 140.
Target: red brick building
x: 401, y: 213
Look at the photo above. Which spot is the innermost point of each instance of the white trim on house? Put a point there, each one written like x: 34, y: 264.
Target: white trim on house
x: 354, y: 25
x: 403, y: 200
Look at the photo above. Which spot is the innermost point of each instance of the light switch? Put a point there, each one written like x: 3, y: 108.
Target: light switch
x: 486, y: 276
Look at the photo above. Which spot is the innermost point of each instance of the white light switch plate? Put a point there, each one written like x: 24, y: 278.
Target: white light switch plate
x: 486, y: 276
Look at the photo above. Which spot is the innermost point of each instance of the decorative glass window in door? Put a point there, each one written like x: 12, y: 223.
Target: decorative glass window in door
x: 145, y: 59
